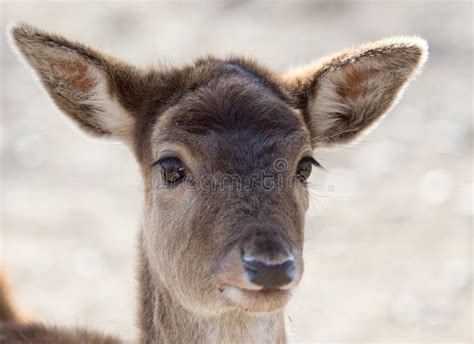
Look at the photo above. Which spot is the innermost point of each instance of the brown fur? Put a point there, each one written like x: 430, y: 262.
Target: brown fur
x: 9, y: 312
x: 225, y: 119
x: 39, y: 334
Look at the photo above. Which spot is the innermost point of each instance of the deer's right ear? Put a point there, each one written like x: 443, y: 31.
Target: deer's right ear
x: 85, y: 84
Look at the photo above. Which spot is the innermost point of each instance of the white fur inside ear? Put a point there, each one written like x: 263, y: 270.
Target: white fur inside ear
x: 349, y: 92
x: 110, y: 114
x: 354, y: 91
x: 76, y: 79
x: 325, y: 108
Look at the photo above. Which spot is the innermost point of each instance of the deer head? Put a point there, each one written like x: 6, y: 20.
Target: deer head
x: 225, y: 148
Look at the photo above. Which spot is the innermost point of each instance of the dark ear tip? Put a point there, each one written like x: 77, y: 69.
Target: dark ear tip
x: 18, y: 30
x: 21, y: 33
x: 412, y: 45
x: 420, y: 45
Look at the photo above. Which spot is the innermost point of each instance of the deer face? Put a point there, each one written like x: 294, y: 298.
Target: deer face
x: 225, y: 148
x: 227, y: 166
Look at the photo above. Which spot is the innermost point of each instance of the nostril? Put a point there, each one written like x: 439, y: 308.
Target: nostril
x: 252, y: 272
x: 269, y: 276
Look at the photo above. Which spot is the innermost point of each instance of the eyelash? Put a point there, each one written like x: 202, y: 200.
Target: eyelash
x: 176, y: 172
x: 172, y: 170
x: 314, y: 162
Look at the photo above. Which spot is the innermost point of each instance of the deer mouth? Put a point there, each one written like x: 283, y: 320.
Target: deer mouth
x: 256, y: 301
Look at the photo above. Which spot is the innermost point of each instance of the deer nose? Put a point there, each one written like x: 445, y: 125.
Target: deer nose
x: 269, y: 275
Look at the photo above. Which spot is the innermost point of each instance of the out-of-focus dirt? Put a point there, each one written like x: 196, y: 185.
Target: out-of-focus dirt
x: 389, y: 233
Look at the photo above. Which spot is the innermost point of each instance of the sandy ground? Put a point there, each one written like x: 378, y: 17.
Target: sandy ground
x: 389, y: 234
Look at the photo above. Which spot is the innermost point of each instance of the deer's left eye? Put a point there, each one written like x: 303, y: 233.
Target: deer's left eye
x: 304, y: 168
x: 172, y: 170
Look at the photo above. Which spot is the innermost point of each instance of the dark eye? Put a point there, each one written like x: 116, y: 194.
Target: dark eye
x: 172, y: 170
x: 304, y: 168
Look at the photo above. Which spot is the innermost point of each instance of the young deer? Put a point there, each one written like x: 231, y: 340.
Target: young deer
x: 225, y: 148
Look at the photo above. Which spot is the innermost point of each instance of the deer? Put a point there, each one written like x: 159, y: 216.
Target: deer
x: 220, y: 247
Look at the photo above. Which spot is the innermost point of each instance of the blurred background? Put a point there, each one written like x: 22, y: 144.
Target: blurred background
x: 389, y: 232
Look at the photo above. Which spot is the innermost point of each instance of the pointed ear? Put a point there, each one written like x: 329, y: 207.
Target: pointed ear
x: 346, y: 94
x: 93, y: 89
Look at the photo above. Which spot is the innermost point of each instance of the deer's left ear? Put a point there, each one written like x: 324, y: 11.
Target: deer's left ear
x: 344, y: 95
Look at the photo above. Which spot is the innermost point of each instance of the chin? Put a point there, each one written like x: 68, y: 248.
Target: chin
x: 257, y: 301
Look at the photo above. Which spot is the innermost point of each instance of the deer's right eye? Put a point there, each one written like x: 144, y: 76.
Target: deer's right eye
x: 172, y: 170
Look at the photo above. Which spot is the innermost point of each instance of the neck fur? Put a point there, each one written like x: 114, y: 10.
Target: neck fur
x: 163, y: 320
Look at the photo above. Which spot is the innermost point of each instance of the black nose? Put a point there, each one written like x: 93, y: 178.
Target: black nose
x: 269, y: 276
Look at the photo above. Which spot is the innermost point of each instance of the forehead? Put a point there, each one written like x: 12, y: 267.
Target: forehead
x: 236, y: 112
